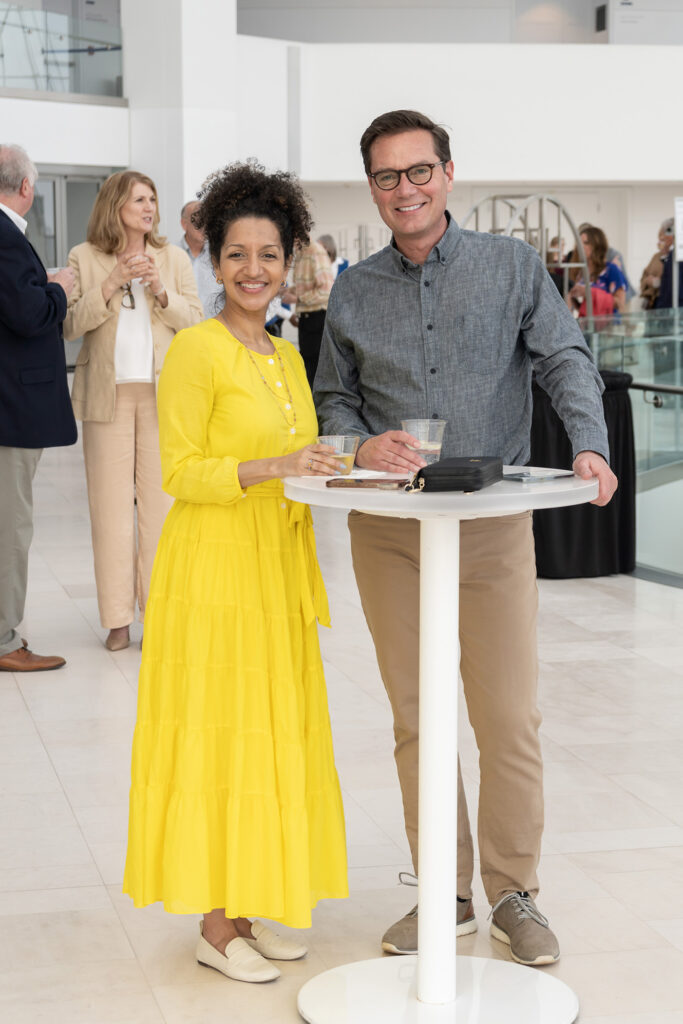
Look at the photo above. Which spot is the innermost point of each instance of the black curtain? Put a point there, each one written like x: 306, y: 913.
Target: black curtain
x: 584, y: 540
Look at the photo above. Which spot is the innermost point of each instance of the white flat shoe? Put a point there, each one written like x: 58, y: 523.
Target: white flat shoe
x: 273, y: 946
x: 240, y: 961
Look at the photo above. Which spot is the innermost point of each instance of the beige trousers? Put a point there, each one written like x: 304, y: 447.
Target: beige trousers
x: 122, y: 467
x: 17, y: 469
x: 498, y: 664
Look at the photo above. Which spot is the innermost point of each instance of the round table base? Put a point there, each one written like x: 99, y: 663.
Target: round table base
x: 384, y: 992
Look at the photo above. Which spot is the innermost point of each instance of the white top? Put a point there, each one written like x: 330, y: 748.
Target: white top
x: 134, y: 352
x: 15, y: 218
x: 502, y: 498
x: 275, y: 308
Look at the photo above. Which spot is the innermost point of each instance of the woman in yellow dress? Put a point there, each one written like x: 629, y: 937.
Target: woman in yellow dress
x: 235, y: 807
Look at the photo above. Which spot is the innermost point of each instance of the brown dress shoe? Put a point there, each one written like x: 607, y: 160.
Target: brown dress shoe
x: 24, y: 660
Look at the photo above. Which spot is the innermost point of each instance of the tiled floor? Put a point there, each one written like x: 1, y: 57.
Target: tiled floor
x: 73, y: 949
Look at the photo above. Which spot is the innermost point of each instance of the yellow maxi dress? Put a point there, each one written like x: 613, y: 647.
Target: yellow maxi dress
x: 235, y: 800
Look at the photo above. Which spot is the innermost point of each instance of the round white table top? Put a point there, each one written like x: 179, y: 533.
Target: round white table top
x: 502, y: 498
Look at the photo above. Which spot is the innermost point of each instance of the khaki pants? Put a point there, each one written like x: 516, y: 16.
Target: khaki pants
x: 122, y: 464
x: 498, y: 663
x: 17, y: 469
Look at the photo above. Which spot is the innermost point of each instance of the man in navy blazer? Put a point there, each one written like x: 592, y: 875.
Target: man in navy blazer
x: 35, y: 408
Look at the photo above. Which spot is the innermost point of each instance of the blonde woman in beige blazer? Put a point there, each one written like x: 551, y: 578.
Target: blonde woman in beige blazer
x: 133, y: 292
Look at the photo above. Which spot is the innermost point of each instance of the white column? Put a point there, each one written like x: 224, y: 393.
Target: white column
x: 179, y: 76
x: 439, y: 673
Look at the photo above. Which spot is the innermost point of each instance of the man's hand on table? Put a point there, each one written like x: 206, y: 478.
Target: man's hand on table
x: 388, y: 452
x: 589, y: 464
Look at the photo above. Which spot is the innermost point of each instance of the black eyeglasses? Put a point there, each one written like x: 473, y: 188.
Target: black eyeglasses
x: 419, y: 174
x: 128, y: 294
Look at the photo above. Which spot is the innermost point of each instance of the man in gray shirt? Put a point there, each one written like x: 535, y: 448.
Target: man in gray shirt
x: 449, y: 324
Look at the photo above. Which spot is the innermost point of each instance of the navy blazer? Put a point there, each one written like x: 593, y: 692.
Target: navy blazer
x: 35, y: 408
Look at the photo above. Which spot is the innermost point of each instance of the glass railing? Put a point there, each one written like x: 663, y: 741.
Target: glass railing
x: 44, y: 50
x: 649, y: 346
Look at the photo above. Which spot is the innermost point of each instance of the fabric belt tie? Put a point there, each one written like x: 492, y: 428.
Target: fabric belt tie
x: 314, y: 603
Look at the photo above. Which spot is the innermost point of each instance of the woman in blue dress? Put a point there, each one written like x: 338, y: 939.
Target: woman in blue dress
x: 605, y: 276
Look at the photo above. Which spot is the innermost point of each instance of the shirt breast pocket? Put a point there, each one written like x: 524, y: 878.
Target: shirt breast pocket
x: 478, y: 343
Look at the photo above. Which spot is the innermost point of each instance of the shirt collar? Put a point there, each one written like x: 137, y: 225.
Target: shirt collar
x: 443, y: 251
x: 15, y: 218
x: 185, y: 246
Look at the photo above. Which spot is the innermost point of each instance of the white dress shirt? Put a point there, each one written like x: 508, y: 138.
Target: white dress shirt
x: 15, y: 218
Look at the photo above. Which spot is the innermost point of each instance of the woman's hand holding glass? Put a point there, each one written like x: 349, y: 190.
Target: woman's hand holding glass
x: 313, y: 460
x: 150, y: 276
x: 125, y: 269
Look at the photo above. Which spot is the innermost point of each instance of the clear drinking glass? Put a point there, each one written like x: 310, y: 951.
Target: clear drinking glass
x: 345, y: 447
x: 429, y: 434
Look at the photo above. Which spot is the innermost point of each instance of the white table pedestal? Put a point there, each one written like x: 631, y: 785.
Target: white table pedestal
x: 436, y: 987
x: 385, y: 992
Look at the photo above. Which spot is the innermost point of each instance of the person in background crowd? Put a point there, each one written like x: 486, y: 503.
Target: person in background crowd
x: 605, y: 276
x: 133, y: 291
x: 313, y: 280
x: 665, y: 298
x: 651, y: 278
x: 613, y: 255
x: 555, y: 255
x: 339, y: 264
x: 35, y: 411
x: 235, y: 806
x: 277, y: 313
x: 459, y: 345
x: 195, y: 245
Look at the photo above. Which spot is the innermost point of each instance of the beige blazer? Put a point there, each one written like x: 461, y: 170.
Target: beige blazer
x: 94, y: 389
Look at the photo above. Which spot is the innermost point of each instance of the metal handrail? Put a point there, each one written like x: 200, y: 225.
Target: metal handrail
x: 669, y: 389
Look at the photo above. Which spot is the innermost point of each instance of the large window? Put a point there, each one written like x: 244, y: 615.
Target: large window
x: 70, y: 46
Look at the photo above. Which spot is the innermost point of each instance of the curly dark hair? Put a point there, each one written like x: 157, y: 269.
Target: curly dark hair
x: 247, y: 190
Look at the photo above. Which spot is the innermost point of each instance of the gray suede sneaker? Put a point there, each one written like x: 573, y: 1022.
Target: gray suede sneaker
x: 518, y: 922
x: 402, y: 937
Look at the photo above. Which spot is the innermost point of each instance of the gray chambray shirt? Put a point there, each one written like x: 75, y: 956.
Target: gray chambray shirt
x: 456, y: 339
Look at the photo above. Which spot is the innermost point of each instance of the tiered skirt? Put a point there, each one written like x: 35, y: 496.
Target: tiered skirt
x: 235, y: 801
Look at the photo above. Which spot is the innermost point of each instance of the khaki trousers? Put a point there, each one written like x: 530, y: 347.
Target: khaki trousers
x: 17, y: 469
x: 122, y: 465
x: 498, y: 664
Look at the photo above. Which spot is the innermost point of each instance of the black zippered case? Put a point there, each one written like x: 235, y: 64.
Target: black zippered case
x: 460, y: 474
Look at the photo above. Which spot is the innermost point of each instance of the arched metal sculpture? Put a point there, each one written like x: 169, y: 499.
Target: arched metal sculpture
x: 530, y: 217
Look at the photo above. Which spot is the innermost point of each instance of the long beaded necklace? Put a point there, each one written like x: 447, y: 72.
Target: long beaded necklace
x: 289, y: 404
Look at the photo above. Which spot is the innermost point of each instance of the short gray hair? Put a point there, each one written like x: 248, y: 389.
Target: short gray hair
x: 189, y: 202
x: 15, y: 165
x: 667, y: 226
x: 328, y: 243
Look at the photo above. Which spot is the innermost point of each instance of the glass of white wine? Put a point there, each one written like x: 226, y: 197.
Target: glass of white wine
x: 345, y: 448
x: 429, y: 435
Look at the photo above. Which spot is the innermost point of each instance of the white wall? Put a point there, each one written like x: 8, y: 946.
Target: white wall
x: 378, y: 20
x: 53, y: 132
x: 516, y: 113
x: 180, y: 78
x: 420, y: 21
x: 263, y: 117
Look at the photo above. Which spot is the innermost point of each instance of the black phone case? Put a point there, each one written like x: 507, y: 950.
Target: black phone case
x: 459, y: 474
